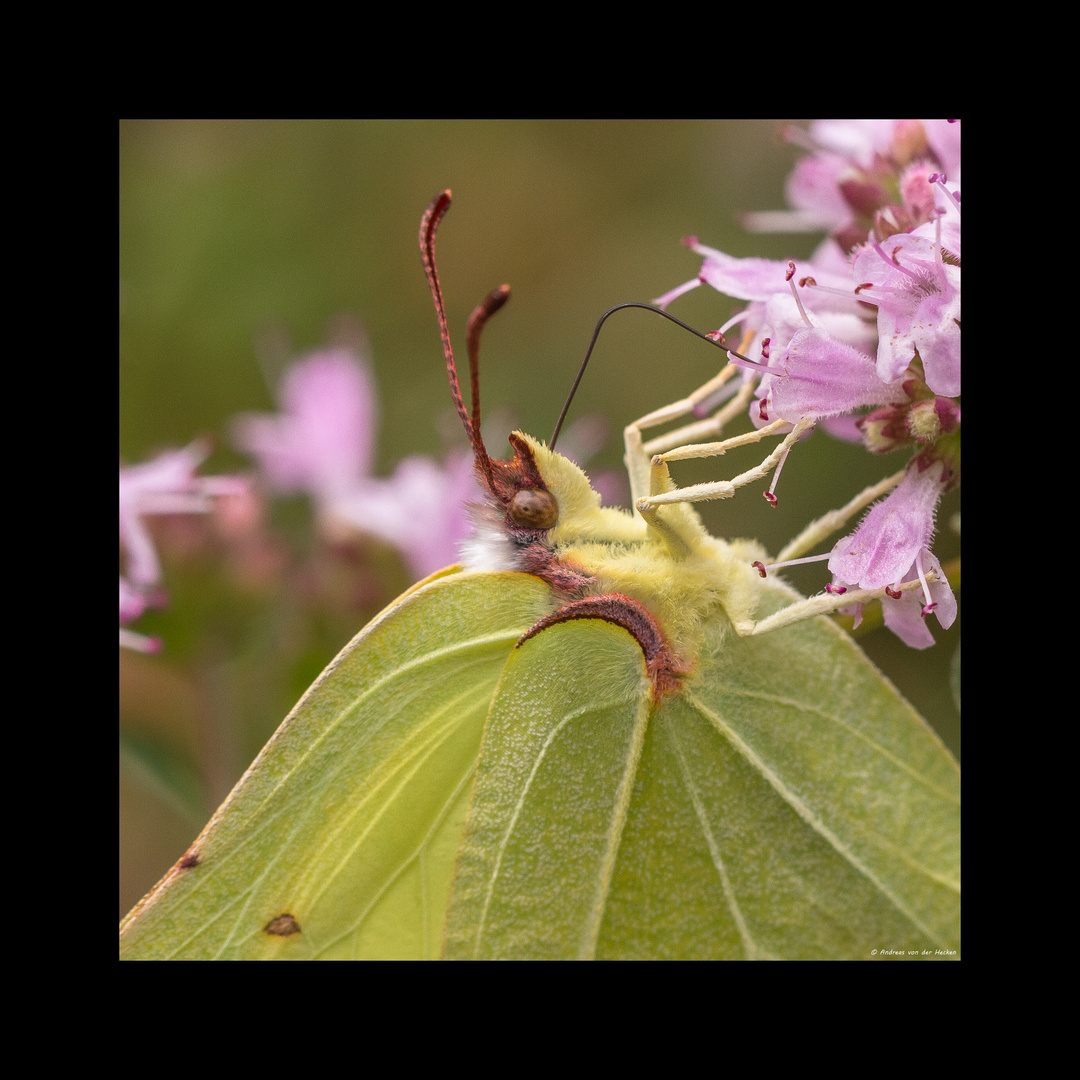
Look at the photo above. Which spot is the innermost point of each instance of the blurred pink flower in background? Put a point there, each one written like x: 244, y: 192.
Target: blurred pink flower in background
x: 323, y: 440
x: 165, y: 485
x: 420, y: 510
x: 323, y: 443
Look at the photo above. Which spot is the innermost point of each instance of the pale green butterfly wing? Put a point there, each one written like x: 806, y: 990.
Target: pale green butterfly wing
x: 340, y: 840
x: 787, y: 803
x: 557, y: 770
x: 868, y: 784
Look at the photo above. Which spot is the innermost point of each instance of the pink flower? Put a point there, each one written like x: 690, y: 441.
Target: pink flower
x: 420, y: 510
x: 132, y: 604
x: 323, y: 442
x: 856, y: 168
x: 812, y: 344
x: 884, y: 547
x: 918, y: 300
x: 751, y: 278
x: 165, y: 485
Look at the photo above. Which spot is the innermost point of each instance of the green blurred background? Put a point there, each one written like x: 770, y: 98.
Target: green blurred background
x: 241, y: 240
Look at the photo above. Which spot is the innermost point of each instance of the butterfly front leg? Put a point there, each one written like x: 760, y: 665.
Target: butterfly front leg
x: 639, y: 453
x: 662, y: 493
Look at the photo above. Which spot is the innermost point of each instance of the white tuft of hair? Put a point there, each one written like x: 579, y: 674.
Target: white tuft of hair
x: 489, y: 547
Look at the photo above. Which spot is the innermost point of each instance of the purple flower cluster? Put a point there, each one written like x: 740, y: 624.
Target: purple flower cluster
x: 865, y: 336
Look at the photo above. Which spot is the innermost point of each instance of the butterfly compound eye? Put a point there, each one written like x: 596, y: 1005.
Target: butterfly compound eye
x: 532, y: 508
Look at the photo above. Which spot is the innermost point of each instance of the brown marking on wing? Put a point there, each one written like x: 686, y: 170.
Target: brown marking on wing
x: 665, y: 670
x: 283, y: 925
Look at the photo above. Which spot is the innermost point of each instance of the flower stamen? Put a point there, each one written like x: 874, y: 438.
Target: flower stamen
x: 794, y: 292
x: 793, y: 562
x: 953, y: 197
x: 770, y: 495
x: 930, y: 603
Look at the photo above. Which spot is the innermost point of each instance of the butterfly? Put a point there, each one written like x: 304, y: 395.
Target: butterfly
x: 602, y: 735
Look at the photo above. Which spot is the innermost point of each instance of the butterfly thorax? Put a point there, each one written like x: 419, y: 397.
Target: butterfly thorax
x: 594, y: 550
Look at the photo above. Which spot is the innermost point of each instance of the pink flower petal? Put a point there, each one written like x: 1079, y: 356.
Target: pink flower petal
x: 884, y: 546
x: 904, y: 616
x: 824, y: 377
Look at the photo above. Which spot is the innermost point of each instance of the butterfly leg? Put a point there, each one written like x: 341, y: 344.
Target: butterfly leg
x: 822, y: 605
x: 813, y: 534
x: 709, y: 427
x: 719, y: 489
x: 715, y: 449
x: 638, y: 452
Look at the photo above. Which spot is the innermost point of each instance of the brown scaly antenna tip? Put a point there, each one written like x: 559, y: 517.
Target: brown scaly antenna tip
x: 428, y: 227
x: 429, y: 224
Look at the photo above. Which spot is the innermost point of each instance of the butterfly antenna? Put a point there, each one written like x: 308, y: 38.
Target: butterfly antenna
x: 717, y: 340
x: 429, y: 224
x: 477, y: 321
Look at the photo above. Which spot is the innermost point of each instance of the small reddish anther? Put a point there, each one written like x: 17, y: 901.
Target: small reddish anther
x: 765, y: 343
x: 864, y: 285
x: 770, y: 498
x: 838, y: 589
x: 894, y: 593
x: 762, y: 410
x: 689, y: 241
x: 759, y: 567
x: 804, y: 281
x: 790, y: 271
x: 717, y: 336
x: 929, y: 607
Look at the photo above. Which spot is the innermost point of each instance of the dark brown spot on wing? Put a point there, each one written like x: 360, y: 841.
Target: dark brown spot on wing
x: 282, y: 925
x: 190, y: 860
